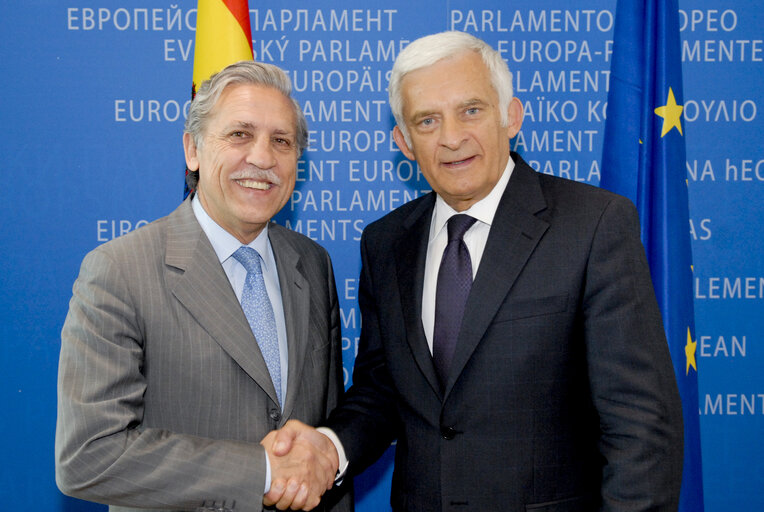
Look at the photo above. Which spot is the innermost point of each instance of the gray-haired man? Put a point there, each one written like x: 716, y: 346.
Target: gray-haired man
x: 190, y: 339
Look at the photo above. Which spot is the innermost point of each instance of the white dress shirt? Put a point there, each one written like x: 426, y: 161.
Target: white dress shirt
x: 475, y: 239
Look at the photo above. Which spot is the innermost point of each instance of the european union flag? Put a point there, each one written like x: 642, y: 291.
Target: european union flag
x: 644, y: 159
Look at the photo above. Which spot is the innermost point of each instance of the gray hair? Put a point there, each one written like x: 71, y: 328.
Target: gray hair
x: 428, y: 50
x: 246, y: 72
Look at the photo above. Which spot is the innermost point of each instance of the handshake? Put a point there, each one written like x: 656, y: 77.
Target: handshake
x: 304, y: 464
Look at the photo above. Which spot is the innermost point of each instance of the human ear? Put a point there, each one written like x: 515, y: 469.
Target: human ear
x: 191, y: 152
x: 400, y: 140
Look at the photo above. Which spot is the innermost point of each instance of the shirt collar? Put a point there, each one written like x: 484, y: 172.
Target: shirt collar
x: 484, y: 210
x: 223, y: 242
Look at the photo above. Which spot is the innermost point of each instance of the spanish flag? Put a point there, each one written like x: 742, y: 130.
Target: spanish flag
x: 223, y: 36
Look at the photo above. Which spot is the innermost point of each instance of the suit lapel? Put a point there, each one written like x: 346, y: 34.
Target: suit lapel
x: 411, y: 254
x: 204, y: 290
x: 295, y: 295
x: 515, y: 232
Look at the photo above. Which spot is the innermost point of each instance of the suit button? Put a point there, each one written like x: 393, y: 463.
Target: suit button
x: 448, y: 433
x: 275, y: 415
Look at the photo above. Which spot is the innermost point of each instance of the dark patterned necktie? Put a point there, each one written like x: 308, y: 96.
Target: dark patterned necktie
x: 454, y: 283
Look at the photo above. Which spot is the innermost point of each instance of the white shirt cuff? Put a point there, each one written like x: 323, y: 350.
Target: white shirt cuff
x: 267, y: 474
x: 340, y: 452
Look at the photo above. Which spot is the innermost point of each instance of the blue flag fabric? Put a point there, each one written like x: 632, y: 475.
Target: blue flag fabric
x: 644, y: 160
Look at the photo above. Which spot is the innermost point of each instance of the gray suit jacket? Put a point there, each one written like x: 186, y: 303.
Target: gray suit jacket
x: 163, y: 395
x: 561, y: 395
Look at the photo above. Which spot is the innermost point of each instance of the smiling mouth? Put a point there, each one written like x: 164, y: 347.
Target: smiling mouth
x: 254, y: 184
x: 455, y: 163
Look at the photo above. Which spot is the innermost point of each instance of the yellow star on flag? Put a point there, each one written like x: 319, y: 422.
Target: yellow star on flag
x: 671, y: 114
x: 689, y: 352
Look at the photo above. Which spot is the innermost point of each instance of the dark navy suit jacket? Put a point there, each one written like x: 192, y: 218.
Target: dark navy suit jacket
x: 561, y: 395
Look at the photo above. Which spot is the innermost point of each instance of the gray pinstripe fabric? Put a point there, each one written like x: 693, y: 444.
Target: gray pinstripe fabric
x: 163, y: 392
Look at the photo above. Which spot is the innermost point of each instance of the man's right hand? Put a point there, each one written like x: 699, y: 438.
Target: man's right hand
x: 304, y: 464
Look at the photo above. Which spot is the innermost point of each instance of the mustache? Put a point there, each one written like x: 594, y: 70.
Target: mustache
x: 253, y: 173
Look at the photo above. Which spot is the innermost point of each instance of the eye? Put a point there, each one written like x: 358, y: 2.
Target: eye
x: 282, y: 141
x: 238, y: 134
x: 472, y: 110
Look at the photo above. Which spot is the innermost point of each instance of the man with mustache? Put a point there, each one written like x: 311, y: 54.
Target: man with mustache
x: 189, y: 340
x: 511, y: 340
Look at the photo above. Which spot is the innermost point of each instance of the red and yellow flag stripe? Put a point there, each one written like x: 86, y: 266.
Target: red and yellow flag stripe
x: 223, y: 36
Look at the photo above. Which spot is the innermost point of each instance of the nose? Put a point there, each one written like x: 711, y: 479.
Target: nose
x: 261, y: 153
x: 452, y: 133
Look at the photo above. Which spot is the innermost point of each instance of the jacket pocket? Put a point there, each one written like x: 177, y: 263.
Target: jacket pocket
x: 536, y: 306
x: 575, y: 504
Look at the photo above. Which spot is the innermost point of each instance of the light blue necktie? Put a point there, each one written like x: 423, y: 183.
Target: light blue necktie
x: 259, y: 312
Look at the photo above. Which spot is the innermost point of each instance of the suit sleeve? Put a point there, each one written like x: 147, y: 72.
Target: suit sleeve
x: 631, y: 375
x: 102, y: 452
x: 339, y: 497
x: 368, y: 421
x: 336, y: 377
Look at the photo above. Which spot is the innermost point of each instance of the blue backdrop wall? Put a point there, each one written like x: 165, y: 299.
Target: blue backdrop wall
x: 92, y: 103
